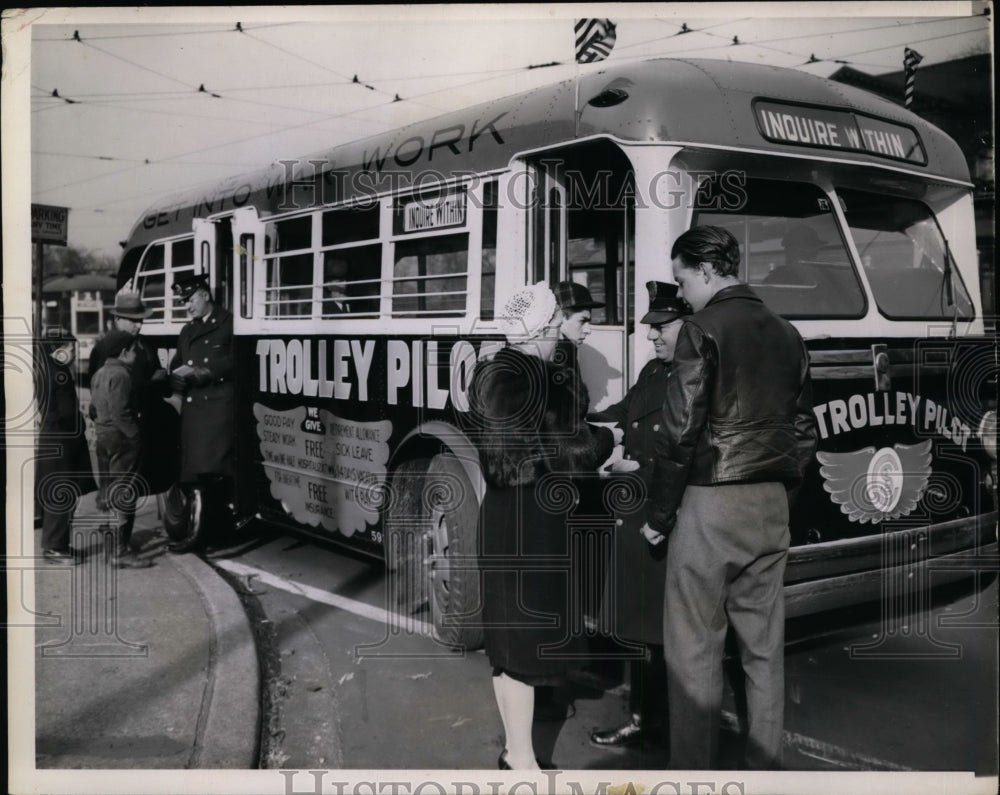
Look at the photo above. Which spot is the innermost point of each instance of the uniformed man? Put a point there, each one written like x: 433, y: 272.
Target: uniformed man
x: 636, y: 580
x: 202, y: 371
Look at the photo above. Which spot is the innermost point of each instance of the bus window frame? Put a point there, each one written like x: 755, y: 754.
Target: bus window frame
x: 178, y: 315
x: 257, y: 321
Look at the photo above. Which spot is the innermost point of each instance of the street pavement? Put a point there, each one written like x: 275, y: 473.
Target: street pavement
x: 141, y: 668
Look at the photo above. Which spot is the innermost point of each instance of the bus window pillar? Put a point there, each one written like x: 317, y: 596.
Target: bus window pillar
x: 662, y: 212
x: 512, y: 230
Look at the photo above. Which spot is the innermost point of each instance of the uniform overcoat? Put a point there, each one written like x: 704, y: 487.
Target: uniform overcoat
x: 207, y: 409
x: 635, y: 581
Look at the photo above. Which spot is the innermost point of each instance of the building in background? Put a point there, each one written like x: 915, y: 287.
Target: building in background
x: 956, y: 96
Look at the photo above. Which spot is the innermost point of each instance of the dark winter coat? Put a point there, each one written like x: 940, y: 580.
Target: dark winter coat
x: 159, y: 425
x: 63, y: 454
x: 635, y: 581
x: 532, y: 438
x: 207, y: 410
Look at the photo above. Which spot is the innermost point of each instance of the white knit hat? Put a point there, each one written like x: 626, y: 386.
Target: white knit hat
x: 527, y: 313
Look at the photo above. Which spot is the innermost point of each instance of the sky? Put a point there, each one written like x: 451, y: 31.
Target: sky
x: 119, y: 114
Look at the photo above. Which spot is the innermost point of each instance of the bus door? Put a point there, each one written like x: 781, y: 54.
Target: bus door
x: 581, y: 229
x: 213, y: 244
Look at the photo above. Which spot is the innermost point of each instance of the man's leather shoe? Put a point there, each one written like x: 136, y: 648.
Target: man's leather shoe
x: 630, y: 733
x: 59, y: 557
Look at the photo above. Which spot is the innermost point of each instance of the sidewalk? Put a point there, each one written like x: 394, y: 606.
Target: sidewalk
x: 141, y: 668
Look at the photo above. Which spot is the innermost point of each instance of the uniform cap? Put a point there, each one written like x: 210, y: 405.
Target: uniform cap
x: 664, y: 305
x: 186, y: 287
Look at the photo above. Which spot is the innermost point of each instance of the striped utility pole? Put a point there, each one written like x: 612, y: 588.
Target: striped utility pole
x: 910, y: 60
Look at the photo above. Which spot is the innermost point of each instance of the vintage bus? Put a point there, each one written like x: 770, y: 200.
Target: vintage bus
x: 365, y: 282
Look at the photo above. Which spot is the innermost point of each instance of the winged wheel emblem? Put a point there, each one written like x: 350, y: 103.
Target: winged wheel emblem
x: 873, y: 485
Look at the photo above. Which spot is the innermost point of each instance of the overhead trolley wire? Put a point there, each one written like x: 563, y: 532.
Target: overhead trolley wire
x: 169, y: 33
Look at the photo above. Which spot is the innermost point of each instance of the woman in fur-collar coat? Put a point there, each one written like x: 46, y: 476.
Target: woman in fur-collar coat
x: 532, y: 439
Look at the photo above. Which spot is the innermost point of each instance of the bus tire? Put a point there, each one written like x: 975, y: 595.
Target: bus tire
x: 404, y: 531
x: 183, y: 517
x: 453, y: 524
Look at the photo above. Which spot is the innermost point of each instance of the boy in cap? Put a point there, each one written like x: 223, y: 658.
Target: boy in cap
x: 575, y: 301
x: 149, y: 384
x: 202, y: 371
x: 637, y: 578
x: 119, y: 442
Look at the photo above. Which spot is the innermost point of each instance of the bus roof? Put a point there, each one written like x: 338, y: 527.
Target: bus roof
x: 707, y: 102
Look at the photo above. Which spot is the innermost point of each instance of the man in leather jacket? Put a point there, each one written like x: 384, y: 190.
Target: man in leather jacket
x: 738, y: 432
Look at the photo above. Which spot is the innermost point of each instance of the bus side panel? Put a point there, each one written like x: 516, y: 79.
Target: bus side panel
x: 322, y: 419
x: 907, y: 455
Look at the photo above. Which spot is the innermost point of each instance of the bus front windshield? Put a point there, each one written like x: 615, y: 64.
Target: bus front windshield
x: 793, y: 254
x: 905, y: 257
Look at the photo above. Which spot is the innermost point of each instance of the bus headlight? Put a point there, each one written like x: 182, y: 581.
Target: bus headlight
x: 988, y: 433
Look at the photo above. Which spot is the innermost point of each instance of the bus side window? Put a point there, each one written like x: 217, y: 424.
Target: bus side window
x: 181, y: 266
x: 489, y: 278
x: 289, y: 268
x: 150, y: 282
x: 351, y: 273
x: 351, y: 281
x: 431, y: 276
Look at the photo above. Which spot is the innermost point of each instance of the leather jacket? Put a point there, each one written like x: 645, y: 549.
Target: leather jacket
x: 738, y: 407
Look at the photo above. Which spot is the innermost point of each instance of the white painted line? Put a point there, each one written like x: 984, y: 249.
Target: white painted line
x: 827, y: 752
x: 378, y: 614
x: 808, y: 746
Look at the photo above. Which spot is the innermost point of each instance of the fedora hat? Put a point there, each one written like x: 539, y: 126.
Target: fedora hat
x: 130, y: 307
x: 664, y: 305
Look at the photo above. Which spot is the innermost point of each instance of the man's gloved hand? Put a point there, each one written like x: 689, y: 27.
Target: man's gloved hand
x: 92, y: 413
x: 178, y: 383
x: 201, y: 376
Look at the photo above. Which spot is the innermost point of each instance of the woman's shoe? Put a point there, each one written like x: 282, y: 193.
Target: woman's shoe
x: 502, y: 762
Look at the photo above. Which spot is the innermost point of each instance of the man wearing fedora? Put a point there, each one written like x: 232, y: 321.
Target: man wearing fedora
x: 638, y: 572
x: 202, y: 371
x: 149, y: 385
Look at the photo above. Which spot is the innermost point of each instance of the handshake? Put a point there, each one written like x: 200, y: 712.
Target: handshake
x: 185, y: 377
x: 616, y: 461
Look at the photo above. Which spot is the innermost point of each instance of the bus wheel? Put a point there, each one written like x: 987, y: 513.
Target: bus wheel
x: 453, y: 518
x: 183, y: 517
x: 404, y: 525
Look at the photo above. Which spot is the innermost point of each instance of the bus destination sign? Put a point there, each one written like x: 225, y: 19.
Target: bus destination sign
x: 421, y: 215
x: 800, y: 125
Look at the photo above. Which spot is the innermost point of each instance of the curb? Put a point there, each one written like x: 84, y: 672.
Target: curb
x: 227, y: 733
